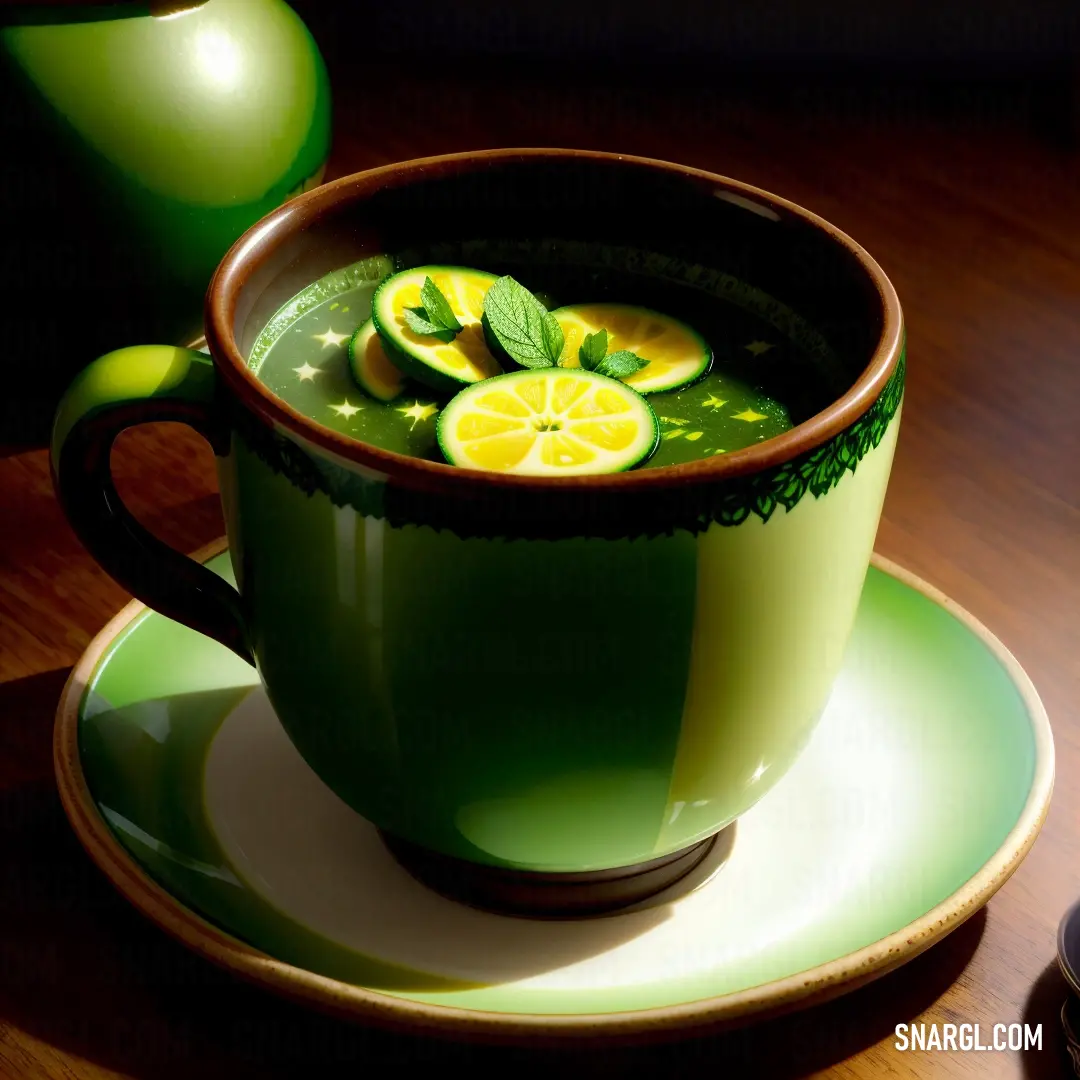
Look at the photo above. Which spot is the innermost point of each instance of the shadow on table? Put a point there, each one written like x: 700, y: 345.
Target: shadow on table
x: 1043, y: 1006
x: 82, y: 972
x: 9, y: 447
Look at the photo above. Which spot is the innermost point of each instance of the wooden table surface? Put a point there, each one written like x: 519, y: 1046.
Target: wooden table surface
x: 974, y: 213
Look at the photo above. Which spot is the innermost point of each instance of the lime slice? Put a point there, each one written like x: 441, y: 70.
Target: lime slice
x: 677, y: 354
x: 446, y: 366
x: 548, y: 422
x: 372, y: 369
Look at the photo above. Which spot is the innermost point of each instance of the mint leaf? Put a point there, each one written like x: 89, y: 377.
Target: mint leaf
x: 436, y: 318
x: 438, y: 307
x: 620, y: 364
x: 616, y: 366
x: 521, y: 325
x: 420, y: 325
x: 553, y: 337
x: 593, y: 350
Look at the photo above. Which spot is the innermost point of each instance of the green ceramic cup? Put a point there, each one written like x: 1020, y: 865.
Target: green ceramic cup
x: 549, y: 676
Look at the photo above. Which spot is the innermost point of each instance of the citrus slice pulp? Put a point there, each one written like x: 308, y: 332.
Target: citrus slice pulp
x: 548, y: 422
x: 677, y: 354
x: 442, y: 365
x: 372, y: 369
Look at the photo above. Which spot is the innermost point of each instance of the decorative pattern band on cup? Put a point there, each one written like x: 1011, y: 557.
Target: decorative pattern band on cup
x: 550, y: 514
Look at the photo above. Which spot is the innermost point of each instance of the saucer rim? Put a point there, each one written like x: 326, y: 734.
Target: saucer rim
x: 813, y: 986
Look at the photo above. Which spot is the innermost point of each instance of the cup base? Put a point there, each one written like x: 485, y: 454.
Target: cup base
x: 537, y: 895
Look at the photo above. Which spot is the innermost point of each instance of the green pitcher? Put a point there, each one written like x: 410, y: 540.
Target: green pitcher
x: 140, y: 141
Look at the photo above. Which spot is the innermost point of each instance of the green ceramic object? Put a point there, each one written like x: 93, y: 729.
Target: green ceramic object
x: 920, y: 791
x: 137, y: 149
x: 520, y: 673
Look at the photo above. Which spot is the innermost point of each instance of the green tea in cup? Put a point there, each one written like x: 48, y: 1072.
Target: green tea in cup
x: 304, y: 356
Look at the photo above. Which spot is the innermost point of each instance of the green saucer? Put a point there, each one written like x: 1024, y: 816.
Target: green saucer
x: 920, y: 792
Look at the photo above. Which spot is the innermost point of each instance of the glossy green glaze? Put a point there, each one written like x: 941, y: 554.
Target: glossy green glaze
x: 129, y: 386
x: 921, y: 767
x: 560, y: 677
x: 139, y: 373
x: 190, y: 127
x: 560, y: 706
x: 501, y: 701
x: 145, y: 734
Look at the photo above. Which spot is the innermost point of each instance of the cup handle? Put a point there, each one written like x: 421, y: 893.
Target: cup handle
x: 131, y: 386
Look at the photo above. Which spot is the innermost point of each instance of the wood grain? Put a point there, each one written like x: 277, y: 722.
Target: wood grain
x: 973, y: 210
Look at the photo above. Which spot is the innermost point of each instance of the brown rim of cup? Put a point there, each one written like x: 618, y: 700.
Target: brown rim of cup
x: 256, y: 245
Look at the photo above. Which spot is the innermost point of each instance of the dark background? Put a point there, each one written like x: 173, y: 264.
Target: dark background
x: 952, y: 90
x: 941, y: 136
x: 793, y: 47
x: 1003, y: 34
x: 947, y: 84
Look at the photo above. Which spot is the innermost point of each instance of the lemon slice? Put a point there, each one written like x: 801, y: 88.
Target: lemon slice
x: 372, y: 369
x: 446, y: 366
x: 677, y: 355
x: 548, y: 422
